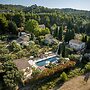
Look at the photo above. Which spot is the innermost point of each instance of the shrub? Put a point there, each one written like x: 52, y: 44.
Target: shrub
x: 20, y: 54
x: 63, y: 77
x: 54, y: 48
x: 35, y: 72
x: 85, y: 59
x: 4, y: 50
x: 69, y: 51
x: 3, y: 37
x: 44, y: 31
x: 33, y: 50
x: 75, y: 72
x: 49, y: 72
x: 12, y: 76
x: 74, y: 57
x: 15, y: 46
x: 62, y: 60
x: 87, y: 67
x: 41, y: 39
x: 12, y: 27
x: 5, y: 57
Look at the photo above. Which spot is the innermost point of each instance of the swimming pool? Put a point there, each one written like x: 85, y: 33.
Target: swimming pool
x: 45, y: 62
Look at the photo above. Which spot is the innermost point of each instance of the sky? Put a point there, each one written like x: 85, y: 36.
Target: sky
x: 75, y: 4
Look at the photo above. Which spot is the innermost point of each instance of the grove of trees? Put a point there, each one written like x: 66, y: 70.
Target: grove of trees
x: 62, y: 24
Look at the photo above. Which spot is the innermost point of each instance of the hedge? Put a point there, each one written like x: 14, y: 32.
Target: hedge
x: 49, y: 72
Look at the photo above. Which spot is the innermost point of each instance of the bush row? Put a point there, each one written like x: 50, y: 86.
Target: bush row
x: 49, y: 72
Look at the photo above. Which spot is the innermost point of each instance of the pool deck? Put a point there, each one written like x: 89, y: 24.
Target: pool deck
x: 44, y: 58
x: 33, y: 63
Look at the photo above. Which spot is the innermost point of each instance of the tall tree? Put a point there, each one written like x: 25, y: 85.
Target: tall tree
x: 60, y: 33
x: 59, y: 49
x: 12, y: 76
x: 56, y: 32
x: 12, y: 27
x: 63, y: 50
x: 72, y: 34
x: 66, y: 37
x: 19, y: 19
x: 3, y: 25
x: 9, y: 16
x: 88, y: 29
x: 47, y: 21
x: 44, y: 31
x: 88, y: 43
x: 32, y: 26
x: 69, y: 25
x: 84, y: 38
x: 53, y: 28
x: 69, y: 35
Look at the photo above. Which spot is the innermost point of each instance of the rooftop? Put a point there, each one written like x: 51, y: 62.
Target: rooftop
x: 21, y: 63
x: 76, y: 41
x: 42, y: 26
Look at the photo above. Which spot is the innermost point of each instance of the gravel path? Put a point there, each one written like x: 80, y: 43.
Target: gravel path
x: 76, y: 83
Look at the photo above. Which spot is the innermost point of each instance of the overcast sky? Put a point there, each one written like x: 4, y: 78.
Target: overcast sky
x: 76, y: 4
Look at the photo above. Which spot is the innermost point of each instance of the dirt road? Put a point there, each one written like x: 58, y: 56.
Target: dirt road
x: 76, y: 83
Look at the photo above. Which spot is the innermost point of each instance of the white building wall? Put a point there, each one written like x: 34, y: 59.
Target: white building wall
x: 77, y: 46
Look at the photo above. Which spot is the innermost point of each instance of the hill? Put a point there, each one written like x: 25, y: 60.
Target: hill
x: 41, y: 9
x: 4, y: 8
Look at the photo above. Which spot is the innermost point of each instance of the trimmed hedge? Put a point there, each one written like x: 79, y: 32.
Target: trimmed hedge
x: 49, y: 72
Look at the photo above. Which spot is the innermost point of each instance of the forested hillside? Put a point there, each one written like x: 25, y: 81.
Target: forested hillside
x: 73, y: 19
x: 42, y: 9
x: 32, y: 31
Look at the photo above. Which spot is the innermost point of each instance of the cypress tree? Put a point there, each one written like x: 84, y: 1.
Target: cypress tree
x: 88, y: 43
x: 60, y: 33
x: 63, y: 50
x: 66, y: 38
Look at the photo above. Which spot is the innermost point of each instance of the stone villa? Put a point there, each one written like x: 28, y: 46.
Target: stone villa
x: 76, y: 44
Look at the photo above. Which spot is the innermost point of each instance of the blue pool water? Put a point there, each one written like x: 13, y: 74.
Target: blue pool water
x: 43, y: 62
